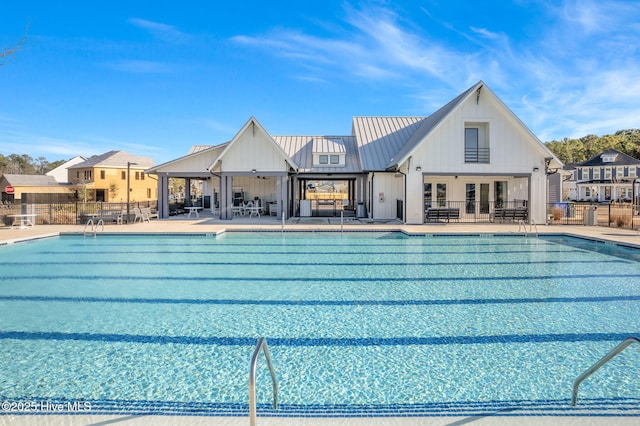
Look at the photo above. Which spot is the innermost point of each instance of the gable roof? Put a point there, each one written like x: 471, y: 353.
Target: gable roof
x: 195, y: 151
x: 30, y: 180
x: 380, y: 138
x: 428, y: 124
x: 117, y: 159
x: 622, y: 159
x: 234, y: 140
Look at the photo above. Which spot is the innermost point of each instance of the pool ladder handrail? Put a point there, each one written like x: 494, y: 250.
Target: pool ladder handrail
x: 615, y: 351
x: 261, y: 346
x: 94, y: 227
x: 532, y: 224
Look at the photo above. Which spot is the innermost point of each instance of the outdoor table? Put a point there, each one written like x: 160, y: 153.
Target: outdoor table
x: 25, y: 220
x: 193, y: 210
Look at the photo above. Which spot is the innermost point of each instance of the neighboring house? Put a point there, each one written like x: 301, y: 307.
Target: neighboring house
x: 608, y: 176
x: 569, y: 187
x: 106, y: 178
x: 60, y: 173
x: 30, y: 184
x: 473, y: 157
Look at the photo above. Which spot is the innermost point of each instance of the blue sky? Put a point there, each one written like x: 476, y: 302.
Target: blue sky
x: 154, y: 78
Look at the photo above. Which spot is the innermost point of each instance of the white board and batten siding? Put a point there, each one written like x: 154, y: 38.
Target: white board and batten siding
x: 514, y: 151
x: 386, y: 190
x: 253, y: 151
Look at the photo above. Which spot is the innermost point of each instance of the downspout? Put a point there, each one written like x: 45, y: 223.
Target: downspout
x: 371, y: 196
x: 404, y: 200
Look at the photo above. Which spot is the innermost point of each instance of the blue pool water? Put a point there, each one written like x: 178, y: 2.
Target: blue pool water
x: 357, y: 324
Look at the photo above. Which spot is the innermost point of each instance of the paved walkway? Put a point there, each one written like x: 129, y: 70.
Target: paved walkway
x: 204, y: 224
x: 214, y: 225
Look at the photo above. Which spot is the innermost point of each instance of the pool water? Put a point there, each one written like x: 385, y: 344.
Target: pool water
x: 357, y: 323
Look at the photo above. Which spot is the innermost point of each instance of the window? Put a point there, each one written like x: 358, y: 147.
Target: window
x: 428, y: 193
x: 476, y: 143
x: 596, y: 173
x: 607, y: 172
x: 137, y: 175
x: 500, y: 194
x: 441, y: 194
x: 123, y: 175
x: 484, y: 198
x: 78, y: 174
x: 632, y: 171
x: 471, y: 198
x: 323, y: 159
x: 102, y: 174
x: 334, y: 159
x: 148, y: 192
x: 87, y: 175
x: 141, y: 175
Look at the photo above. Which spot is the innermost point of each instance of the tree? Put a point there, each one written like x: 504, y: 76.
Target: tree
x: 6, y: 52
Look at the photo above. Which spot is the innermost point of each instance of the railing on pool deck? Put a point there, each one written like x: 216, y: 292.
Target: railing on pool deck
x: 262, y: 345
x: 615, y: 351
x: 523, y: 225
x: 93, y: 230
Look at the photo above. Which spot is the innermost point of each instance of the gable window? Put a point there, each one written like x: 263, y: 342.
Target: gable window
x: 329, y: 151
x: 476, y: 143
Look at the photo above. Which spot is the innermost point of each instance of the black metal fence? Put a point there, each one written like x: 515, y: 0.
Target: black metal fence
x: 62, y: 209
x: 619, y: 215
x: 476, y: 211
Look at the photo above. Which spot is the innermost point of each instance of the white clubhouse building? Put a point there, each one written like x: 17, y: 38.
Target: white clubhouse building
x: 472, y: 160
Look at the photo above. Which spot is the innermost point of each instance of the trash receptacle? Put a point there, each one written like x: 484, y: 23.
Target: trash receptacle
x: 360, y: 211
x: 590, y: 216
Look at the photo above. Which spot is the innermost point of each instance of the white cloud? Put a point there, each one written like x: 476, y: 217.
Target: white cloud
x: 163, y: 32
x: 579, y: 75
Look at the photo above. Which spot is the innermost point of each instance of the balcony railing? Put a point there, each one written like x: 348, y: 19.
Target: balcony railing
x: 477, y: 155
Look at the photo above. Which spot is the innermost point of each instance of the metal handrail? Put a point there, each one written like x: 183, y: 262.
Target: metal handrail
x: 615, y: 351
x: 262, y: 345
x: 94, y: 227
x: 522, y: 225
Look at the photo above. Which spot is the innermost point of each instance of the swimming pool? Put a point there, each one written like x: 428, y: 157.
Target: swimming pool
x: 358, y: 324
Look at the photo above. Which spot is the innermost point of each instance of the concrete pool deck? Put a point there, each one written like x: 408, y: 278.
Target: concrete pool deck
x: 213, y: 225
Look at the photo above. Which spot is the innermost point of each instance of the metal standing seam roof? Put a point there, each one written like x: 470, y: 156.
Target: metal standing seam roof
x: 380, y: 138
x: 301, y: 148
x: 427, y: 125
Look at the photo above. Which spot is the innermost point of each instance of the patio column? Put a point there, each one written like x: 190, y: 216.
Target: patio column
x: 226, y: 197
x: 163, y: 196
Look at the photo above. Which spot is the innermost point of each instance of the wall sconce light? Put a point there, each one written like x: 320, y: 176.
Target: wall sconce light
x: 535, y: 169
x: 418, y: 169
x: 253, y: 171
